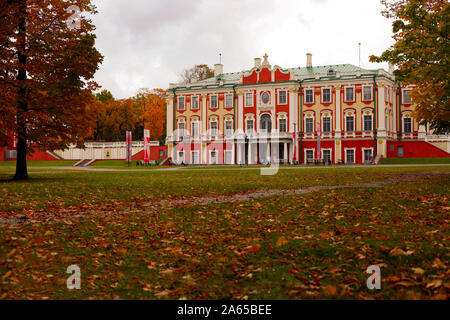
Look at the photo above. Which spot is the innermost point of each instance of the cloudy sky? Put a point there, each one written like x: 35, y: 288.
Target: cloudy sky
x: 147, y: 43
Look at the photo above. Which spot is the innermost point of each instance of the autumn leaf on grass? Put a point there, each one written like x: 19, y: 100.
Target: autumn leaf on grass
x: 253, y: 248
x: 433, y: 284
x: 418, y: 270
x: 281, y: 241
x: 400, y: 252
x: 330, y: 291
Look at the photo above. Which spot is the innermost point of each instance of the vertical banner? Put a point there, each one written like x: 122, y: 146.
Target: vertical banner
x: 318, y: 141
x: 129, y: 144
x: 294, y: 159
x: 146, y: 146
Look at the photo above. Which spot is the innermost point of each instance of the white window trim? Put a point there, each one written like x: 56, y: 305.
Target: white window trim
x: 198, y: 102
x: 192, y: 157
x: 246, y: 127
x: 198, y: 127
x: 354, y: 155
x: 314, y: 125
x: 322, y: 95
x: 345, y: 94
x: 363, y: 150
x: 313, y: 96
x: 310, y: 149
x: 403, y: 96
x: 178, y: 157
x: 225, y: 126
x: 371, y: 92
x: 225, y: 157
x: 363, y: 121
x: 217, y: 156
x: 210, y: 101
x: 245, y: 99
x: 354, y: 123
x: 404, y: 116
x: 210, y: 126
x: 322, y: 126
x: 331, y: 153
x: 286, y: 92
x: 184, y: 103
x: 287, y: 123
x: 232, y: 102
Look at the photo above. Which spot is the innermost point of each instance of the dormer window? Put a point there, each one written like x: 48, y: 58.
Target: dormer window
x: 331, y: 72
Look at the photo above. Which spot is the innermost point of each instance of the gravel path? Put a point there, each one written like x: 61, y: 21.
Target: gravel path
x: 19, y: 220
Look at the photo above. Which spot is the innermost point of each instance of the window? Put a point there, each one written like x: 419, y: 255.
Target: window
x: 229, y: 101
x: 249, y: 99
x: 181, y: 156
x: 282, y: 125
x: 326, y: 95
x: 161, y: 154
x: 213, y: 157
x: 309, y: 125
x: 326, y: 156
x: 194, y: 157
x: 367, y: 93
x: 181, y: 103
x: 309, y: 155
x: 228, y: 157
x: 195, y: 103
x: 265, y: 97
x: 350, y: 156
x: 406, y: 98
x: 309, y: 96
x: 400, y: 151
x: 367, y: 155
x: 181, y: 127
x: 407, y: 124
x: 282, y: 98
x: 367, y: 122
x: 194, y: 129
x: 228, y: 128
x: 349, y: 94
x: 213, y: 102
x: 349, y: 124
x: 326, y: 126
x: 214, y: 128
x: 250, y: 125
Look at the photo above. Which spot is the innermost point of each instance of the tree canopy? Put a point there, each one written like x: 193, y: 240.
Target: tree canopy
x: 420, y: 53
x: 47, y: 60
x: 199, y: 72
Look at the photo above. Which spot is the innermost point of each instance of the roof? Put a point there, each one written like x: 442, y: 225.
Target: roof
x: 327, y: 72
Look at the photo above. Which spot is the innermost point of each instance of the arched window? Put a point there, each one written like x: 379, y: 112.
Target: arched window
x: 266, y: 123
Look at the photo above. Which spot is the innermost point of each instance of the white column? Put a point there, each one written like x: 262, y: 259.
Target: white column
x: 204, y: 114
x: 240, y: 111
x: 338, y: 112
x: 293, y: 107
x: 169, y: 118
x: 285, y: 155
x: 381, y: 112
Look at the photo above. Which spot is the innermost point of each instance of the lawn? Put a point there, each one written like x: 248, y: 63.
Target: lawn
x: 31, y: 164
x: 316, y: 245
x: 415, y: 161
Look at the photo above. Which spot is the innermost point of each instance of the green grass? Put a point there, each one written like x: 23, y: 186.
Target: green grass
x: 121, y: 164
x: 32, y: 164
x: 415, y: 161
x: 294, y: 247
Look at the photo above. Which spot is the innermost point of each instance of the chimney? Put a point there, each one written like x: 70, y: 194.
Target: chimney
x: 257, y: 62
x: 309, y: 60
x: 218, y: 69
x: 391, y: 68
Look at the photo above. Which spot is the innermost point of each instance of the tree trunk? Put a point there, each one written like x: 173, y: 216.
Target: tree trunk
x: 22, y: 105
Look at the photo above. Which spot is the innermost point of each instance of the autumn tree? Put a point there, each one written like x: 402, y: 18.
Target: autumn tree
x: 152, y: 111
x: 421, y: 53
x: 47, y: 59
x: 199, y: 72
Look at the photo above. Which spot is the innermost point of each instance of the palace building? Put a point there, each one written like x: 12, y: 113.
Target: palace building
x: 334, y: 113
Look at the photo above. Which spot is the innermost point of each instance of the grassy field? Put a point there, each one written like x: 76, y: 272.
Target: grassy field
x: 415, y: 161
x: 31, y: 164
x: 316, y: 245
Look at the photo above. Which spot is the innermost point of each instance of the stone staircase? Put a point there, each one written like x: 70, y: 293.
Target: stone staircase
x: 84, y: 163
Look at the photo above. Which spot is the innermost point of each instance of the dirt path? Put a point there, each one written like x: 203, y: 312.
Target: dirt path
x: 203, y: 201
